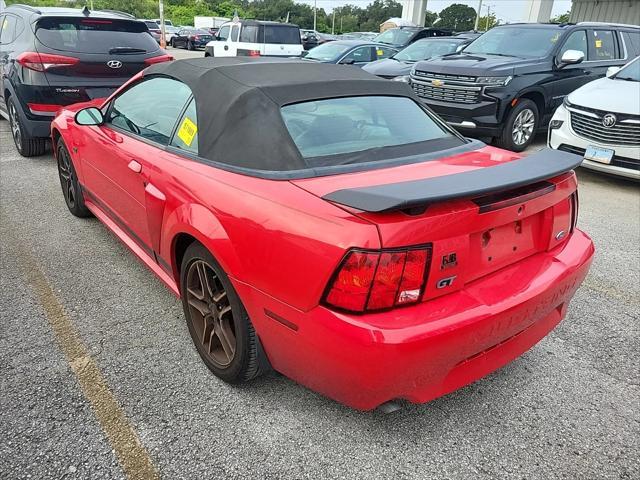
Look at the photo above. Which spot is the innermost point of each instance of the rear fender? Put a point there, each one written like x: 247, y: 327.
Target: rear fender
x: 201, y: 224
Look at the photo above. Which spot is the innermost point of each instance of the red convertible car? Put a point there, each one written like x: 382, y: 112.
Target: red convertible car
x: 320, y: 221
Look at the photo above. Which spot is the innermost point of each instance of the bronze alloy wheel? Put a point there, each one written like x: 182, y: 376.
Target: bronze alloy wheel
x: 210, y: 314
x: 67, y: 179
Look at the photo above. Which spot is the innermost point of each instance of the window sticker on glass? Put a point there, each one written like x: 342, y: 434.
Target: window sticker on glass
x: 187, y: 131
x: 379, y: 52
x: 598, y: 43
x: 555, y: 38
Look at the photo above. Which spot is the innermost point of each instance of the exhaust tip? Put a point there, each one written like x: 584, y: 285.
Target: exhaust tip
x: 389, y: 407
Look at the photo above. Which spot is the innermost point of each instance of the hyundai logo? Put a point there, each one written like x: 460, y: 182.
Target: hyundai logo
x: 114, y: 64
x: 609, y: 120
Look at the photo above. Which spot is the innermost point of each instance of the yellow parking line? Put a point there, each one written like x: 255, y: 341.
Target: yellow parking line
x: 133, y: 457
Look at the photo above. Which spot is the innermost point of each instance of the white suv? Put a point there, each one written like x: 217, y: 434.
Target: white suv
x: 601, y: 122
x: 255, y: 38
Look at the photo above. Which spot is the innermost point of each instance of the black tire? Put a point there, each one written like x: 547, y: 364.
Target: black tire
x: 518, y: 137
x: 190, y: 45
x: 248, y: 360
x: 69, y: 182
x: 27, y: 146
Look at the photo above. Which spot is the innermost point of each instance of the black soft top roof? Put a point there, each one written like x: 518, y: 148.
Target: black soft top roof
x: 238, y: 103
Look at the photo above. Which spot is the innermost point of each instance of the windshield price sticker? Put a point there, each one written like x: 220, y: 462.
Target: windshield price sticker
x: 187, y: 131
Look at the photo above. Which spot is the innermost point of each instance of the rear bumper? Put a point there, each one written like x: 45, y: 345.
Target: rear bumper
x: 425, y: 351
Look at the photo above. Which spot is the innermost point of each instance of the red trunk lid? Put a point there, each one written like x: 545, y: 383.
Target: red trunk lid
x: 470, y: 237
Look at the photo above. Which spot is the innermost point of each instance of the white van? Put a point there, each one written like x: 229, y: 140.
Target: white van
x: 256, y: 38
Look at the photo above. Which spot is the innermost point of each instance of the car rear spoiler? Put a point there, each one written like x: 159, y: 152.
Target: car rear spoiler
x: 533, y: 168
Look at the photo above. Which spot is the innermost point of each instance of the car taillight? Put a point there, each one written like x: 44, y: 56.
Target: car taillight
x: 574, y: 210
x: 158, y: 59
x: 254, y: 53
x: 379, y: 280
x: 44, y: 61
x: 43, y: 108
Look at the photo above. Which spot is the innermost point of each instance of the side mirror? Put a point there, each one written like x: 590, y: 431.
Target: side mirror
x: 611, y: 71
x: 89, y: 116
x: 348, y: 61
x: 305, y: 53
x: 571, y: 57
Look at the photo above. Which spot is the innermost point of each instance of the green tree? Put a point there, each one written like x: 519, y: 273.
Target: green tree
x: 563, y: 18
x: 457, y: 17
x: 485, y: 23
x: 430, y: 18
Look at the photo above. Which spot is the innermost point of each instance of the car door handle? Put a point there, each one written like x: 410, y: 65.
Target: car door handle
x: 135, y: 166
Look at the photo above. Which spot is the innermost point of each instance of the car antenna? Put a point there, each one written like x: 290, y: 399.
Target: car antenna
x: 86, y: 11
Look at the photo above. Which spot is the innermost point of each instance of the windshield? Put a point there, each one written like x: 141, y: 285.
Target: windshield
x: 630, y: 72
x: 516, y: 42
x: 344, y: 125
x: 327, y: 52
x: 395, y: 36
x: 424, y: 49
x: 89, y: 35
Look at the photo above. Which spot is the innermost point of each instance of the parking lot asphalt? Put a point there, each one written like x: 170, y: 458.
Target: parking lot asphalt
x: 77, y: 307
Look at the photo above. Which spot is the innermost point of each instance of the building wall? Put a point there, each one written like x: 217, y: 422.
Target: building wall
x: 616, y: 11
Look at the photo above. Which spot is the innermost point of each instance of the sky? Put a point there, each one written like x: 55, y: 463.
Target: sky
x: 506, y: 10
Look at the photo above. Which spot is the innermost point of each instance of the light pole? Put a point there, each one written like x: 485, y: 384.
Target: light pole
x: 333, y: 22
x: 486, y: 25
x: 163, y: 42
x: 478, y: 15
x: 315, y: 14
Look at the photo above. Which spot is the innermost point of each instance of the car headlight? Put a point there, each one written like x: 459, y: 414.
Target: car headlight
x: 401, y: 78
x: 495, y: 81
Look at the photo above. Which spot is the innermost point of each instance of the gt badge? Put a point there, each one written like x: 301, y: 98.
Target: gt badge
x: 445, y: 282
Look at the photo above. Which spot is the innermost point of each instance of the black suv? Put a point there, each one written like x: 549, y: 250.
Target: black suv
x: 508, y: 82
x: 51, y: 57
x: 400, y: 37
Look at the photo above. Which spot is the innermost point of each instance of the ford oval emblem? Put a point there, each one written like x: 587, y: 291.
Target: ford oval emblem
x: 609, y: 120
x: 114, y: 64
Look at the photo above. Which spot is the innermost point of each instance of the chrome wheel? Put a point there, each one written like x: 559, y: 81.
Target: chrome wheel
x: 210, y: 313
x: 14, y: 121
x: 523, y: 127
x: 67, y: 178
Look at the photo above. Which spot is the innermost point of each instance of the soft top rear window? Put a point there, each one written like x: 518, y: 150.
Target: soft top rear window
x: 94, y: 35
x: 342, y: 130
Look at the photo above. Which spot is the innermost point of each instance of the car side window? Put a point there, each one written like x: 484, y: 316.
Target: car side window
x: 9, y: 23
x: 359, y: 55
x: 603, y: 45
x: 223, y: 33
x: 249, y: 34
x: 150, y: 108
x: 235, y: 30
x: 383, y: 52
x: 632, y: 42
x: 186, y: 135
x: 576, y: 41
